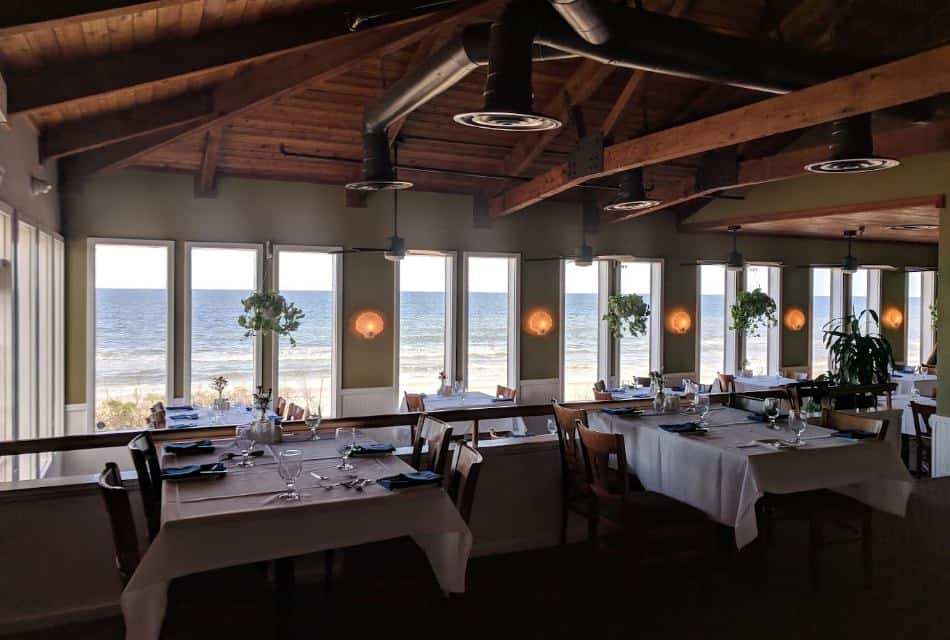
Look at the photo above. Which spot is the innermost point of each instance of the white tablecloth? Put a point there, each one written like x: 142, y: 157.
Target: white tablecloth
x: 924, y: 382
x: 239, y: 414
x: 710, y: 473
x: 761, y: 383
x: 472, y: 400
x: 640, y: 393
x: 209, y: 524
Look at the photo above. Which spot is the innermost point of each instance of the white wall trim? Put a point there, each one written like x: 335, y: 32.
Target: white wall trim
x: 940, y: 466
x: 539, y: 390
x: 76, y: 420
x: 366, y: 401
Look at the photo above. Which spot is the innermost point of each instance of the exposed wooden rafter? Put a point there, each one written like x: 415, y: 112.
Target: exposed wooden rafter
x: 206, y: 184
x: 913, y: 78
x: 22, y: 17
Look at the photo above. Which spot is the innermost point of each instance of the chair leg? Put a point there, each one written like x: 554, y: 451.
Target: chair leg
x: 284, y: 579
x: 564, y: 500
x: 328, y: 557
x: 920, y: 458
x: 816, y: 541
x: 867, y: 548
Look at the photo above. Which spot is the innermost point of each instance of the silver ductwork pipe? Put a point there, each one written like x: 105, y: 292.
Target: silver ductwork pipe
x: 585, y: 19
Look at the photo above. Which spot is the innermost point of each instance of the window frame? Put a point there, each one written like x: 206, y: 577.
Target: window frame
x: 837, y: 302
x: 734, y: 284
x: 336, y: 349
x: 699, y: 320
x: 656, y: 332
x: 8, y: 377
x: 186, y: 302
x: 514, y: 314
x: 91, y: 244
x: 450, y: 364
x: 603, y: 268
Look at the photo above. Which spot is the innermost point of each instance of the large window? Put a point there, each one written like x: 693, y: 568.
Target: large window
x: 491, y: 321
x: 307, y: 372
x: 638, y: 356
x: 762, y: 351
x: 866, y: 295
x: 827, y: 303
x: 7, y: 428
x: 712, y: 321
x: 132, y: 325
x: 581, y: 330
x: 920, y: 295
x: 26, y: 337
x: 219, y: 277
x: 425, y: 322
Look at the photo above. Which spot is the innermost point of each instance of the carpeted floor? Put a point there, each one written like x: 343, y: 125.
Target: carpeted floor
x: 764, y: 592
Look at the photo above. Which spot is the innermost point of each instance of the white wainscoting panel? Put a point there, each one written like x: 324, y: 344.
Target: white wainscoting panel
x: 539, y: 391
x: 940, y: 466
x: 77, y: 421
x: 370, y: 401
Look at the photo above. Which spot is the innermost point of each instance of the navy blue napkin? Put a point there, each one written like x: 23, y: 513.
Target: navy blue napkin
x: 678, y: 388
x: 368, y: 450
x: 617, y: 390
x: 908, y: 368
x: 231, y: 455
x: 756, y: 417
x: 179, y: 407
x: 184, y: 416
x: 412, y: 479
x: 210, y: 470
x: 683, y: 427
x: 183, y: 425
x: 896, y: 375
x: 186, y: 448
x: 502, y: 400
x: 622, y: 411
x: 855, y: 434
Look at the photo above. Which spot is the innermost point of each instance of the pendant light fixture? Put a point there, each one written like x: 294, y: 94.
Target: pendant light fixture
x: 632, y: 196
x: 735, y: 261
x: 852, y: 149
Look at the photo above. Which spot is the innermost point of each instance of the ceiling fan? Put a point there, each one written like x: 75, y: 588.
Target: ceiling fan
x: 849, y: 264
x: 584, y: 255
x: 396, y: 250
x: 735, y: 261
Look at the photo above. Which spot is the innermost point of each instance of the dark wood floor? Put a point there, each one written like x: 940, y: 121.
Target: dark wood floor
x: 759, y: 593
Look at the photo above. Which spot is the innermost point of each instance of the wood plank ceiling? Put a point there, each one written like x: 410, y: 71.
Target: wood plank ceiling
x: 324, y: 117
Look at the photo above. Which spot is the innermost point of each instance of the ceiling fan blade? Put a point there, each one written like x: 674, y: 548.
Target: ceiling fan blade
x: 369, y: 250
x: 549, y: 259
x: 919, y: 269
x: 836, y: 265
x: 882, y: 267
x: 699, y: 263
x: 427, y: 252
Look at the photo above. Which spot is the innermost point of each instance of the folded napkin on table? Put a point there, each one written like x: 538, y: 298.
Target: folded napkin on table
x: 854, y: 434
x: 677, y: 388
x: 213, y: 469
x: 231, y: 455
x: 755, y: 417
x: 502, y: 400
x: 412, y: 479
x: 184, y: 416
x: 617, y: 390
x: 179, y: 407
x: 185, y: 448
x: 683, y: 427
x: 896, y: 375
x: 183, y: 425
x: 372, y: 450
x: 622, y: 411
x: 908, y: 368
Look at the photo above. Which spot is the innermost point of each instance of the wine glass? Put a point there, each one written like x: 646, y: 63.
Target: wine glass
x: 702, y: 406
x: 289, y: 466
x: 244, y: 440
x: 797, y: 425
x: 313, y: 419
x: 552, y: 426
x: 772, y: 411
x: 345, y: 442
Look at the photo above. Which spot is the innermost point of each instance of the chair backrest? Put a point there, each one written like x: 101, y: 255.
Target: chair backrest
x: 643, y: 382
x: 468, y: 465
x: 121, y: 521
x: 158, y: 406
x: 149, y: 472
x: 727, y: 382
x: 280, y: 406
x: 414, y: 402
x: 922, y: 413
x: 755, y: 400
x: 800, y: 393
x: 600, y: 385
x: 598, y: 448
x: 156, y: 419
x: 838, y: 420
x: 506, y: 393
x: 566, y: 420
x: 603, y: 395
x: 294, y: 412
x: 437, y: 435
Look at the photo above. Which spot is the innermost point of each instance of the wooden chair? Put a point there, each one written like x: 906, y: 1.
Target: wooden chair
x: 755, y: 400
x: 158, y: 406
x: 727, y: 382
x: 600, y: 396
x: 294, y: 412
x: 801, y: 392
x: 437, y: 435
x: 506, y: 393
x: 824, y: 507
x: 121, y: 520
x: 923, y: 435
x: 643, y: 382
x: 468, y: 464
x: 639, y: 517
x: 156, y: 419
x: 858, y: 396
x: 600, y: 385
x: 280, y: 406
x: 574, y: 494
x: 149, y: 472
x: 414, y: 402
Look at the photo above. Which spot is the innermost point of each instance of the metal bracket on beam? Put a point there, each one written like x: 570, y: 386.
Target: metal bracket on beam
x: 481, y: 219
x: 587, y: 157
x: 591, y: 217
x: 719, y: 169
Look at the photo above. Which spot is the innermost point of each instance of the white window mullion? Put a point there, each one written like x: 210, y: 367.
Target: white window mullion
x: 731, y: 357
x: 928, y: 293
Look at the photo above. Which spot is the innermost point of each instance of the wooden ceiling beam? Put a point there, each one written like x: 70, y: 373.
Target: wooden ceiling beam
x: 98, y: 131
x: 279, y: 76
x: 62, y: 84
x: 206, y: 183
x: 23, y: 17
x: 913, y: 78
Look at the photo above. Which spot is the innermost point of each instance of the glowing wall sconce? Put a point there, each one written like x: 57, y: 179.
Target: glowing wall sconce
x: 794, y: 319
x: 892, y: 318
x: 368, y: 324
x: 679, y: 321
x: 539, y: 323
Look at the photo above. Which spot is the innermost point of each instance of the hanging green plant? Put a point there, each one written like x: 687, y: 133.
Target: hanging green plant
x: 753, y: 311
x: 627, y: 315
x: 857, y: 358
x: 934, y: 316
x: 269, y: 312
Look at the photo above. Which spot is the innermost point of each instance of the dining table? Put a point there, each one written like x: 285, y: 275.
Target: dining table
x: 183, y: 416
x: 215, y: 522
x: 762, y: 383
x: 473, y: 400
x: 725, y: 470
x: 925, y: 383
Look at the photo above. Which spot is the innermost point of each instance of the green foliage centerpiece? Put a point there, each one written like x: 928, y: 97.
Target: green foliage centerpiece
x: 269, y: 312
x: 857, y: 358
x: 627, y: 315
x: 753, y: 311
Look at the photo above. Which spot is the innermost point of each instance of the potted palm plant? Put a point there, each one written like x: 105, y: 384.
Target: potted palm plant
x: 627, y: 315
x: 856, y: 358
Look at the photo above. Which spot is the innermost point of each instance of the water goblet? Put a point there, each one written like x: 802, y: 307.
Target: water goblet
x: 290, y: 466
x: 244, y: 441
x: 346, y: 441
x: 771, y: 411
x: 702, y: 406
x: 313, y: 419
x: 552, y: 426
x: 797, y: 425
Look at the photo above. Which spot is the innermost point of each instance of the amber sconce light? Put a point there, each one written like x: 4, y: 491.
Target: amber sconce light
x: 679, y: 321
x: 368, y: 324
x: 794, y: 319
x: 892, y: 318
x: 539, y: 323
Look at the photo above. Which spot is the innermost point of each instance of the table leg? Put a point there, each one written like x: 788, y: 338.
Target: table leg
x: 284, y: 580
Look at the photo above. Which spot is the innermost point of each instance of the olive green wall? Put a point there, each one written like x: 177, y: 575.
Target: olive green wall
x: 19, y: 160
x: 894, y: 294
x: 153, y: 205
x: 796, y: 292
